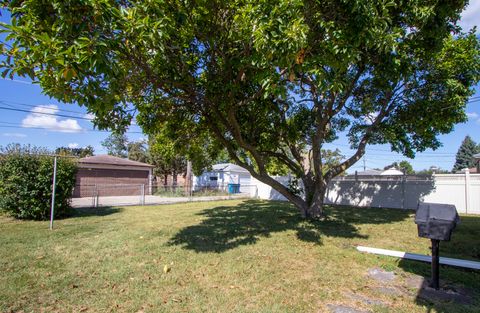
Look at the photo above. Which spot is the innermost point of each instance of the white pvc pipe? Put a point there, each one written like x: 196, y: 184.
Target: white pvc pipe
x: 420, y: 257
x: 54, y: 185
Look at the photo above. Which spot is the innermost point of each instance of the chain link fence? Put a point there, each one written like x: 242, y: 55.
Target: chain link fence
x: 136, y: 194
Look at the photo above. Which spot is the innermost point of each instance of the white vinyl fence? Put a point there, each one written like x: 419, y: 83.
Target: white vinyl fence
x: 402, y: 192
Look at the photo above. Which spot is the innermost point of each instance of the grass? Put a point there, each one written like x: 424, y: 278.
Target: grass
x: 228, y: 256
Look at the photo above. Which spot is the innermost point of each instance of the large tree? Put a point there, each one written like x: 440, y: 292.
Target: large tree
x: 164, y: 156
x: 138, y: 151
x: 116, y: 144
x: 464, y: 158
x: 271, y: 81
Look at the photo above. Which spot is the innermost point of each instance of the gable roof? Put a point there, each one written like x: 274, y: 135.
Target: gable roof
x: 368, y: 173
x: 228, y: 167
x: 104, y: 159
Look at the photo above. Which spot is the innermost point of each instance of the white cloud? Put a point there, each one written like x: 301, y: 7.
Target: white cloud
x: 73, y: 145
x: 471, y: 16
x: 474, y: 116
x: 40, y: 116
x: 90, y: 116
x: 16, y: 135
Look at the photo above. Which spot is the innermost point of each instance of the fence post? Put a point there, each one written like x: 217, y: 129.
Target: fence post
x: 467, y: 190
x: 404, y: 180
x: 95, y: 196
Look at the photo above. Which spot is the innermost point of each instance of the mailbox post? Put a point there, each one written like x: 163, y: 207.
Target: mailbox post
x: 435, y: 283
x: 436, y: 221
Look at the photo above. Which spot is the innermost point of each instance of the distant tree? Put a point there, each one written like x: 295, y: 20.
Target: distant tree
x: 394, y: 164
x: 431, y: 170
x: 116, y: 145
x: 464, y: 157
x: 164, y: 156
x: 138, y: 151
x: 403, y: 166
x: 406, y: 167
x: 78, y: 152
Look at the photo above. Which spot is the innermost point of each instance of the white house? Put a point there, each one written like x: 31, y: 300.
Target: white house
x: 221, y: 175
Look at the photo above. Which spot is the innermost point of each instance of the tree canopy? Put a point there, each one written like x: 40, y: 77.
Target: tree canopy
x: 78, y: 152
x: 269, y: 81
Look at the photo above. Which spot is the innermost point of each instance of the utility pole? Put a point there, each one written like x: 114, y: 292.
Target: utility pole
x: 189, y: 178
x: 364, y: 164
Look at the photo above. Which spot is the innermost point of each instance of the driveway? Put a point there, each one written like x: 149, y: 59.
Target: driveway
x: 149, y: 200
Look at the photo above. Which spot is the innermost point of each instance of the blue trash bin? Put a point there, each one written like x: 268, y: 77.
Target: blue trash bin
x: 233, y: 188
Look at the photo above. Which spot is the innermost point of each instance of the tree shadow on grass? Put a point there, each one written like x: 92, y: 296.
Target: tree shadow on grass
x: 227, y: 227
x: 85, y: 212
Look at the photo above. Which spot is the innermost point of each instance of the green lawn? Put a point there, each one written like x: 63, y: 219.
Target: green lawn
x: 228, y: 256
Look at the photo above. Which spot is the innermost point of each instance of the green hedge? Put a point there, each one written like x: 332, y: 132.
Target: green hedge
x: 26, y: 182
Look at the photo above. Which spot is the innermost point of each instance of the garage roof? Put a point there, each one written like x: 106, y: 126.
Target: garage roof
x: 112, y: 160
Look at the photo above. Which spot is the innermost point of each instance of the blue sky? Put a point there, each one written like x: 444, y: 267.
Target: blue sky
x: 75, y: 129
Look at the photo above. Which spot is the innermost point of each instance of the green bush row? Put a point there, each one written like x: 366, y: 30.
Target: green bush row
x: 26, y: 182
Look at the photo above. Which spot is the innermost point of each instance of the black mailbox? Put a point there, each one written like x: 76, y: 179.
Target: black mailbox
x: 436, y: 220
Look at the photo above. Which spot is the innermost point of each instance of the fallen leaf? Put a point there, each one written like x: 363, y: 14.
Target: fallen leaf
x: 166, y: 269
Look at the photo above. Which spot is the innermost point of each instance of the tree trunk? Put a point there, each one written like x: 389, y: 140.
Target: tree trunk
x: 314, y: 200
x: 315, y: 209
x: 174, y: 181
x: 188, y: 179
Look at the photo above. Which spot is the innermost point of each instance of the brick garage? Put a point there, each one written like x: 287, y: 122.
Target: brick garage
x: 106, y: 175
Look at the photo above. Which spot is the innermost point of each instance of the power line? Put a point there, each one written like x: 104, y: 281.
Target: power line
x: 19, y: 126
x: 18, y: 81
x: 389, y: 151
x: 42, y: 106
x: 45, y: 113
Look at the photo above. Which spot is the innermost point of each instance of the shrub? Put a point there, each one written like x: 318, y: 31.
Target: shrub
x: 26, y: 177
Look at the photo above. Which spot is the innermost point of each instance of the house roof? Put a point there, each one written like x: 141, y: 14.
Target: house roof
x: 369, y: 173
x: 476, y: 156
x: 104, y: 159
x: 228, y: 167
x: 391, y: 171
